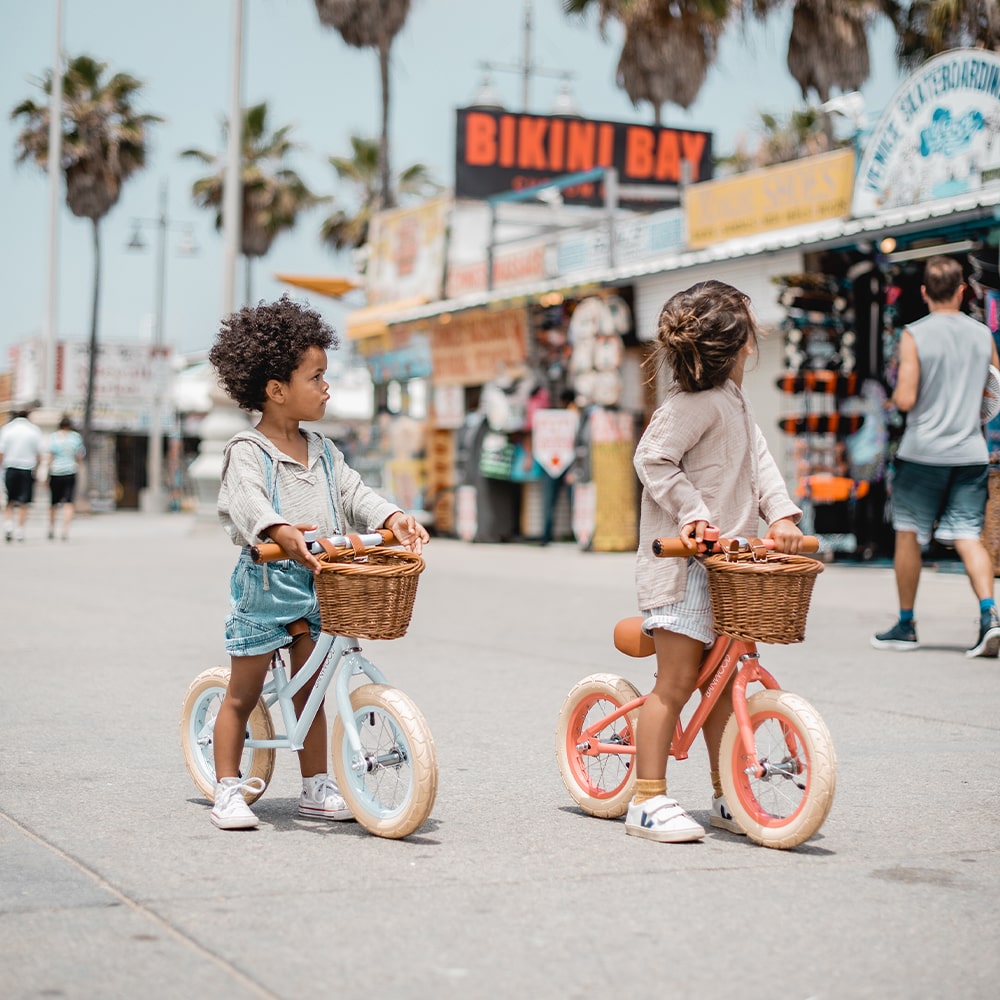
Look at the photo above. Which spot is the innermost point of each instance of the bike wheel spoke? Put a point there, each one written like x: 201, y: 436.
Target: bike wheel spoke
x: 607, y: 771
x: 386, y: 785
x: 778, y: 794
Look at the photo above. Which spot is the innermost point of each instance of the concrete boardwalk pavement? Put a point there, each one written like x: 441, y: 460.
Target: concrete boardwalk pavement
x: 114, y: 883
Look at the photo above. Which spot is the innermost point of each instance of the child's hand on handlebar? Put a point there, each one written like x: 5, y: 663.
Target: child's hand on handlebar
x: 787, y: 536
x: 693, y: 535
x: 410, y: 533
x: 291, y: 539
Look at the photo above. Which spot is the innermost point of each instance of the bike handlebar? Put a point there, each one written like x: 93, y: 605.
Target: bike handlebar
x: 333, y: 545
x: 676, y: 548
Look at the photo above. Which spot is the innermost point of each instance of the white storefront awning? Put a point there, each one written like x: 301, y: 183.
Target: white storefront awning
x: 827, y: 234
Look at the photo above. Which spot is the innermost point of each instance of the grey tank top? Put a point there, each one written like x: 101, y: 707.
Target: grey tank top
x: 943, y: 428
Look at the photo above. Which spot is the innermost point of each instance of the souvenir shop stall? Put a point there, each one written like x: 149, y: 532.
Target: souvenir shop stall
x: 841, y: 330
x: 556, y: 413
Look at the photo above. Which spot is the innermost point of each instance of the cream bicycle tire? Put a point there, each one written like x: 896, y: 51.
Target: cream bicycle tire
x: 201, y: 705
x: 777, y: 812
x: 601, y: 786
x: 395, y: 798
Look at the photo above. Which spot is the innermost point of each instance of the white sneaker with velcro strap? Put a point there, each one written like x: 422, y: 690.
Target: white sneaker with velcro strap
x: 663, y: 820
x: 722, y: 818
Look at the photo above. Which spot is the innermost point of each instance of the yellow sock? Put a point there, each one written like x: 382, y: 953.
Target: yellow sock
x: 647, y: 788
x: 716, y: 784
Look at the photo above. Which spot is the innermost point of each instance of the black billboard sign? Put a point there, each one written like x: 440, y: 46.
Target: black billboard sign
x: 498, y: 151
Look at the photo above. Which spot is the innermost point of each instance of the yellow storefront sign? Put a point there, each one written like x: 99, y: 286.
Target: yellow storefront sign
x: 790, y: 194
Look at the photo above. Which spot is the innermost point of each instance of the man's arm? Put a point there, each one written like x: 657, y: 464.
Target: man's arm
x: 908, y: 380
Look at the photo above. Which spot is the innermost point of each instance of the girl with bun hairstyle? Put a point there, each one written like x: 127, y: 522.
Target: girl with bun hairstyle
x: 702, y: 460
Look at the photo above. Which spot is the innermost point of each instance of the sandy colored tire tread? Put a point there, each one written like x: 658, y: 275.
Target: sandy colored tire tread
x: 423, y: 761
x: 618, y: 691
x: 822, y: 765
x: 260, y: 725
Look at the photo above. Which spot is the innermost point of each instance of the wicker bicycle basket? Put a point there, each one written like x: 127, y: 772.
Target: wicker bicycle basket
x: 762, y: 600
x: 369, y: 597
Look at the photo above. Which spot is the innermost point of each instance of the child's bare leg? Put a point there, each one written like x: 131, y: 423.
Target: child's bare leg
x: 313, y: 755
x: 246, y: 681
x: 678, y: 658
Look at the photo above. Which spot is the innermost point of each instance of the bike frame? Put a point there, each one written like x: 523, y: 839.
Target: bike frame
x: 728, y: 657
x: 334, y: 659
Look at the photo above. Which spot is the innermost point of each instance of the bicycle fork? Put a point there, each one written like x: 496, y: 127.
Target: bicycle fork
x: 361, y: 763
x: 750, y: 671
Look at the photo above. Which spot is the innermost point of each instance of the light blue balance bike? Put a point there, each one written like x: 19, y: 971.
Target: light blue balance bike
x: 382, y: 750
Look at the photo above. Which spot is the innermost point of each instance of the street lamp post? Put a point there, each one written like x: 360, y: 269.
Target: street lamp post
x: 154, y: 465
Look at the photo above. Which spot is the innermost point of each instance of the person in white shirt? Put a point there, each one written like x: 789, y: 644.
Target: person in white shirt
x: 20, y: 444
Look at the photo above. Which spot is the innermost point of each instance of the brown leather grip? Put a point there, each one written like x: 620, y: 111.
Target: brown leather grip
x: 674, y: 548
x: 267, y: 552
x: 668, y: 548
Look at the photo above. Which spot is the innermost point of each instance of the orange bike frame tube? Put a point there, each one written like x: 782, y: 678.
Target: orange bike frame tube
x: 753, y: 671
x: 726, y: 658
x: 589, y: 735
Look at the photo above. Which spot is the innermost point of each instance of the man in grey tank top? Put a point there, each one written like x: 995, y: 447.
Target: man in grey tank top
x: 941, y: 469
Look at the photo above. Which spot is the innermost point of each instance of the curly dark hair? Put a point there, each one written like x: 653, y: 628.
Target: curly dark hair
x: 700, y: 333
x: 262, y: 342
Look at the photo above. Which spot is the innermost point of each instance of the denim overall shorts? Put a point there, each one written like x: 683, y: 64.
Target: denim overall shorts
x: 265, y: 598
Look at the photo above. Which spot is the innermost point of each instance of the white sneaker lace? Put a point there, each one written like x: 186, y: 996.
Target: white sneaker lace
x: 327, y: 789
x: 231, y: 789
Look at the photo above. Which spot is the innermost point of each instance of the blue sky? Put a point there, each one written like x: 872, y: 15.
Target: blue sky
x: 327, y: 92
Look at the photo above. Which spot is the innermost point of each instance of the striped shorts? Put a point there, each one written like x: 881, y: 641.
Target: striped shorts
x: 691, y: 616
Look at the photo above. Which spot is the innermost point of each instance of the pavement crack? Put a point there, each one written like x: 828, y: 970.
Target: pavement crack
x: 143, y: 910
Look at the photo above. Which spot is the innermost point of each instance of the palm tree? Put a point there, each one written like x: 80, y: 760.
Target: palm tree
x: 782, y: 139
x: 668, y: 47
x: 362, y: 171
x: 828, y: 43
x: 273, y: 195
x: 371, y: 24
x: 104, y: 143
x: 932, y: 26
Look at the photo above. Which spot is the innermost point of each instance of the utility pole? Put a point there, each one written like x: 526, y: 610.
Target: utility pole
x: 154, y: 457
x: 232, y: 221
x: 527, y: 68
x: 55, y: 183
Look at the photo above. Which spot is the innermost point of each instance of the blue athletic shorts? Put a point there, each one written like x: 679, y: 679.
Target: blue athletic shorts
x: 692, y: 615
x: 946, y: 502
x: 263, y: 600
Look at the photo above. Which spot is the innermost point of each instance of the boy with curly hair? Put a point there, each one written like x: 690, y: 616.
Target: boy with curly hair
x: 271, y: 359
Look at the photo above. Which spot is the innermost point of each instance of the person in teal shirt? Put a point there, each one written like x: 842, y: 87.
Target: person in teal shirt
x: 65, y: 451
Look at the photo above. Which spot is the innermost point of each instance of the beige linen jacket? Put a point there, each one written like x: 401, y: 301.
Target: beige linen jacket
x: 702, y: 457
x: 245, y: 507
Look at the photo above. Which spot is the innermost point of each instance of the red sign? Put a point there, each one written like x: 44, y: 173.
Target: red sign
x: 499, y: 151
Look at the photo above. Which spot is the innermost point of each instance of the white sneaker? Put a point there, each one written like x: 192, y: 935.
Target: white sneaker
x: 723, y: 818
x: 230, y: 811
x: 661, y: 819
x: 321, y: 799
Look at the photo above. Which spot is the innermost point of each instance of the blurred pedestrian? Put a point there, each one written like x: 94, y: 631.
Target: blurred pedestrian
x: 20, y: 445
x: 65, y: 450
x: 941, y: 470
